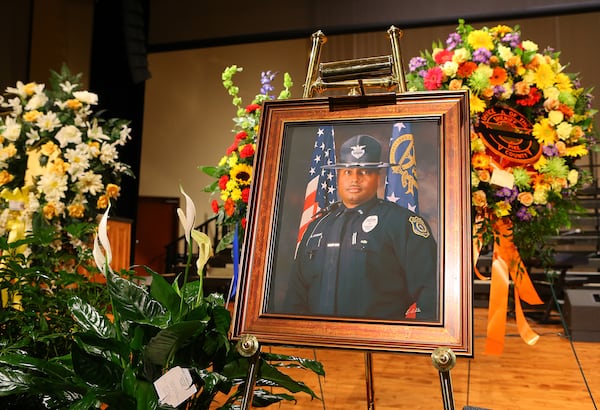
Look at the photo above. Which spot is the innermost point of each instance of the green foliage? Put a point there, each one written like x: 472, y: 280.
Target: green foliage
x: 116, y: 362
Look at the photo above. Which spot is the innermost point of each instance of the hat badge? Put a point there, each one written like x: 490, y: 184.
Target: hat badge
x: 357, y: 151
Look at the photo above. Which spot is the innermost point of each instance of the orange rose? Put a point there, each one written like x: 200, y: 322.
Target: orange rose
x: 525, y: 198
x: 479, y: 199
x: 484, y: 175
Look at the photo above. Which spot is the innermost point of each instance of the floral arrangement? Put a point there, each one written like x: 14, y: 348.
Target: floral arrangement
x: 234, y: 171
x: 529, y: 177
x: 59, y: 161
x: 530, y: 123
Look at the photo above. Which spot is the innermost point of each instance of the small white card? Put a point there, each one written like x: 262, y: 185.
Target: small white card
x: 502, y: 178
x: 175, y: 386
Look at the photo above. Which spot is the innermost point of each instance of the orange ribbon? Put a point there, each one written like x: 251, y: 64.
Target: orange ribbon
x: 507, y: 264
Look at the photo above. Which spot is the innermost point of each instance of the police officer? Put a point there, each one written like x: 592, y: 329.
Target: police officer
x: 364, y: 257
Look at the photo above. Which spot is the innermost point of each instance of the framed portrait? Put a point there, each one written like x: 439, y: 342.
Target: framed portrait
x: 359, y: 227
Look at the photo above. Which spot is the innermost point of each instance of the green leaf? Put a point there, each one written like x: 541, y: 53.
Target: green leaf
x: 134, y: 303
x: 89, y: 319
x: 315, y: 366
x: 145, y: 395
x: 164, y: 293
x: 163, y: 346
x: 96, y: 370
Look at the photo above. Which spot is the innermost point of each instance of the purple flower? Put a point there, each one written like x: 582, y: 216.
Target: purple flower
x: 508, y: 194
x: 550, y: 150
x: 513, y: 39
x: 416, y: 63
x: 499, y: 90
x: 482, y: 55
x: 265, y: 79
x: 523, y: 215
x: 453, y: 41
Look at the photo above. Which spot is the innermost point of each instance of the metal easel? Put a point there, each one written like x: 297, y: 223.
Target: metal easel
x: 384, y: 73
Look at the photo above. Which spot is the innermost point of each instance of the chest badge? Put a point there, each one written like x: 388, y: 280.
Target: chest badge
x: 370, y: 223
x: 418, y: 226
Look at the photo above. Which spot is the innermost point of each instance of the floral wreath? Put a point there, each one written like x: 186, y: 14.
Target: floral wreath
x: 530, y: 123
x: 59, y: 162
x: 234, y: 171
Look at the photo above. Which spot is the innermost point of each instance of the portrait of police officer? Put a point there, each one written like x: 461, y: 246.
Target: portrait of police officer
x: 364, y: 257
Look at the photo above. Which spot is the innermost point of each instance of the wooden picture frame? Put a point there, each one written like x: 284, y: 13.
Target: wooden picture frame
x: 440, y: 124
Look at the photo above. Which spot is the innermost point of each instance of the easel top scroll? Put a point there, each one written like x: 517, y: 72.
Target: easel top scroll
x: 383, y: 72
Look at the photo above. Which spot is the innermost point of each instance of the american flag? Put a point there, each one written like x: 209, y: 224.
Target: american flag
x: 321, y: 189
x: 401, y: 184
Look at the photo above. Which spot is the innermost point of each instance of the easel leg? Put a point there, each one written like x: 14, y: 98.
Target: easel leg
x: 249, y: 347
x: 369, y: 381
x: 444, y: 360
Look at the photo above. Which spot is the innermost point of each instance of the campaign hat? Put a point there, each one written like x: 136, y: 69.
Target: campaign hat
x: 360, y: 151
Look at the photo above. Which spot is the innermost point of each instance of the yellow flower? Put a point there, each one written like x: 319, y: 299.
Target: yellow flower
x: 544, y: 76
x: 573, y: 177
x: 563, y: 82
x: 73, y: 104
x: 476, y: 104
x: 58, y: 166
x: 223, y: 161
x: 455, y: 84
x: 563, y: 130
x: 461, y: 55
x: 236, y: 194
x: 501, y: 30
x: 576, y: 151
x: 29, y: 88
x: 232, y: 160
x: 242, y: 174
x: 5, y: 177
x: 502, y: 208
x: 31, y: 116
x: 480, y: 39
x: 9, y: 151
x: 76, y: 210
x: 555, y: 117
x: 529, y: 45
x: 49, y: 148
x: 49, y: 211
x: 544, y: 133
x: 113, y: 190
x: 102, y: 202
x: 540, y: 196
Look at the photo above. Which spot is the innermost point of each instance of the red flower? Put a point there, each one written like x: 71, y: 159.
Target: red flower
x: 531, y: 99
x: 242, y: 135
x: 245, y: 194
x: 433, y: 78
x: 229, y: 207
x: 443, y: 56
x: 252, y: 107
x: 232, y: 147
x: 223, y: 182
x: 247, y: 151
x: 244, y: 223
x: 466, y: 69
x: 215, y: 206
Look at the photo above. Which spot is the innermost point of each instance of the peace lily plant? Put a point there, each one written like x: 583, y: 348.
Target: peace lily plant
x: 116, y: 357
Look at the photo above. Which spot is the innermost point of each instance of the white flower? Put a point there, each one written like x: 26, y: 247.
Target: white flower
x: 563, y: 130
x: 187, y: 219
x: 69, y: 134
x: 38, y: 100
x: 78, y: 159
x: 124, y: 134
x: 86, y: 97
x: 48, y: 121
x: 449, y: 68
x: 504, y: 52
x: 67, y: 86
x: 529, y: 45
x: 15, y: 105
x: 12, y: 129
x: 32, y: 137
x: 53, y: 186
x: 89, y: 182
x: 95, y: 132
x: 108, y: 153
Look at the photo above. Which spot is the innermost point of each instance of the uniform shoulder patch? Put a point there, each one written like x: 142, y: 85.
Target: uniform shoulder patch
x: 419, y: 227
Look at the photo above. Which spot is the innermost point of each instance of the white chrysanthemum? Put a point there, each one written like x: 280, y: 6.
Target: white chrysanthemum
x: 563, y: 130
x: 449, y: 68
x: 90, y: 183
x: 461, y: 55
x: 12, y: 129
x: 86, y: 97
x: 53, y: 186
x: 78, y: 160
x: 69, y: 134
x: 504, y: 52
x: 38, y: 100
x: 108, y: 153
x: 529, y: 45
x: 48, y: 121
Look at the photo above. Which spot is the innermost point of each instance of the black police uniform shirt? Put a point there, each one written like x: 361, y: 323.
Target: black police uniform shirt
x: 383, y: 262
